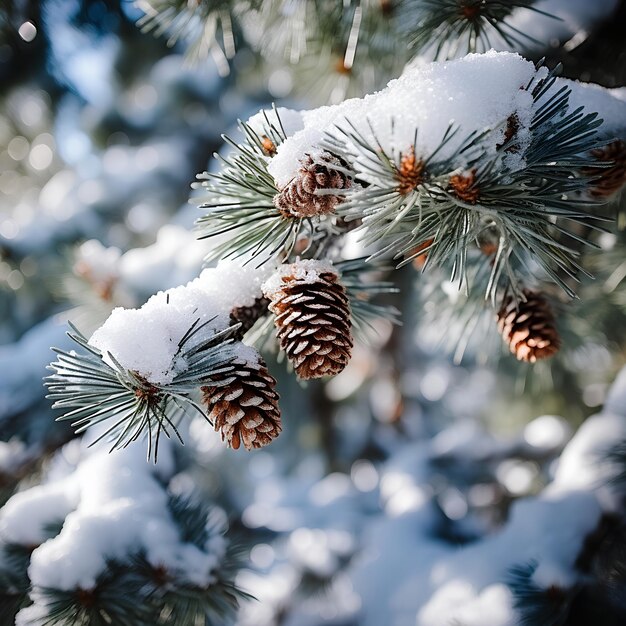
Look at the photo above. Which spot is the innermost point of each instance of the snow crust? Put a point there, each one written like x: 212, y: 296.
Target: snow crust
x: 146, y: 340
x: 113, y: 505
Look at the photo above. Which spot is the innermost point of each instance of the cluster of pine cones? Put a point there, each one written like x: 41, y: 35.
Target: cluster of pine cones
x: 313, y: 319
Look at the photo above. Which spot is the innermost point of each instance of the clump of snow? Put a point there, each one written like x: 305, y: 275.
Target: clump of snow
x: 24, y: 517
x: 475, y: 93
x: 113, y: 505
x: 146, y: 340
x: 232, y: 285
x: 289, y: 120
x: 307, y: 271
x: 36, y: 613
x: 285, y: 163
x: 478, y: 93
x: 608, y: 103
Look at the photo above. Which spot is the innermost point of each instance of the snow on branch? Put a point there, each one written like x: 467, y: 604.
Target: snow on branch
x: 488, y: 147
x: 143, y: 367
x: 487, y: 167
x: 107, y: 541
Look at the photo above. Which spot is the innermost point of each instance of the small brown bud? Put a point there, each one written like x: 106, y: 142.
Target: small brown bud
x: 410, y: 173
x: 464, y: 187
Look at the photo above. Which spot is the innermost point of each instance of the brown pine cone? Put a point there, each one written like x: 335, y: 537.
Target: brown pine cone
x: 298, y: 198
x: 248, y: 315
x: 244, y: 408
x: 312, y: 314
x: 529, y: 327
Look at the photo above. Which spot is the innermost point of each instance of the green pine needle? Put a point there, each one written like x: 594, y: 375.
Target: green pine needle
x: 92, y: 392
x: 239, y: 202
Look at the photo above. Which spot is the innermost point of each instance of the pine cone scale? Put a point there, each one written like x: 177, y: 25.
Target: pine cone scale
x: 303, y: 197
x: 245, y: 408
x: 529, y: 327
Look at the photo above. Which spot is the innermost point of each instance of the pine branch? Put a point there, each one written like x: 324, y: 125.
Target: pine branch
x: 240, y: 201
x: 131, y: 591
x: 14, y: 583
x: 206, y: 26
x: 361, y: 289
x: 93, y: 392
x: 442, y: 206
x: 341, y: 49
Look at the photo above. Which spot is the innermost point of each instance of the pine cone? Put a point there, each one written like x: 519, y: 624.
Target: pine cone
x: 529, y: 327
x: 248, y: 315
x: 245, y: 407
x: 313, y: 318
x: 298, y: 198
